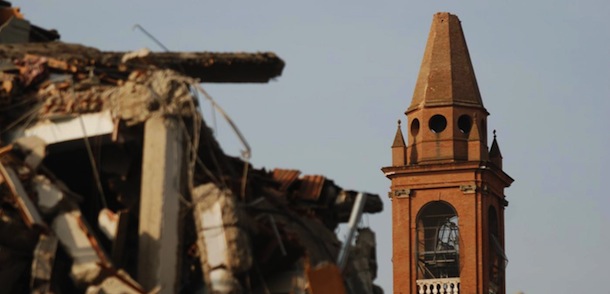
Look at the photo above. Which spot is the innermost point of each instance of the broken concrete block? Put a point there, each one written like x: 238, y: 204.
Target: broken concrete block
x: 49, y: 196
x: 221, y: 242
x: 364, y: 263
x: 74, y: 238
x: 42, y: 264
x: 35, y: 148
x: 366, y: 242
x: 108, y: 222
x: 223, y: 281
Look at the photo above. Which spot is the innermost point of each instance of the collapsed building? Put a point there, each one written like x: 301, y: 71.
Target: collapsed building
x: 111, y: 181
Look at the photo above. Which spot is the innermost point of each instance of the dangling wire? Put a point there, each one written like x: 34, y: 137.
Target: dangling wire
x: 194, y: 111
x: 96, y: 174
x: 23, y: 101
x: 143, y: 30
x: 26, y: 116
x: 246, y: 153
x: 247, y: 150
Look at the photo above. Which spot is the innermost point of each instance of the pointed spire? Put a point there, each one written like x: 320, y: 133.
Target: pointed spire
x: 446, y: 75
x: 495, y: 156
x: 494, y: 151
x: 399, y: 140
x: 399, y: 149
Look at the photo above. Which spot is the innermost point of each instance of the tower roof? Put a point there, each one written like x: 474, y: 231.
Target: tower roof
x: 446, y: 76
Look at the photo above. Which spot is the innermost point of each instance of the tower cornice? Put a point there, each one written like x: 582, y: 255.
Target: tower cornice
x: 451, y: 167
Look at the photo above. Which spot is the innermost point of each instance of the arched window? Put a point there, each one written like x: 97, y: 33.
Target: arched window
x: 498, y: 260
x: 438, y: 248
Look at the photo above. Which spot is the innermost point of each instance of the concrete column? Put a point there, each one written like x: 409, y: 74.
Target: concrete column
x: 162, y: 182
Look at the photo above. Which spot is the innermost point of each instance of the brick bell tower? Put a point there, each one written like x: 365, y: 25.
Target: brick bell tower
x: 447, y: 189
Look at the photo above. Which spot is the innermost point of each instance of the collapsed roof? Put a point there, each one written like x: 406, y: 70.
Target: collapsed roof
x: 110, y: 181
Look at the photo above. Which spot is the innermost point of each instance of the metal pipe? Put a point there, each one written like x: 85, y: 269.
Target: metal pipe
x: 354, y: 219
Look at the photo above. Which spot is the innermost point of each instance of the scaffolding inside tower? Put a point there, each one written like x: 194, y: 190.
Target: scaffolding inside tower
x: 438, y: 245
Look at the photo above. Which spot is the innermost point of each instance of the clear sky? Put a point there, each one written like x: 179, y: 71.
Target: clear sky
x: 543, y: 68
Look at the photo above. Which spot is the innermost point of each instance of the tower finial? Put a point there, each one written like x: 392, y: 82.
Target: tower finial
x: 494, y: 134
x: 399, y: 123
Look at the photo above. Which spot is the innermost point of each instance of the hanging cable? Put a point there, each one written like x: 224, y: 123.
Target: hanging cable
x: 247, y: 150
x: 25, y: 116
x: 96, y: 174
x: 149, y: 35
x: 246, y: 153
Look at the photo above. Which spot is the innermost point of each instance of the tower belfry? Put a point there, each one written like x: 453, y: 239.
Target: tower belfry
x: 447, y: 189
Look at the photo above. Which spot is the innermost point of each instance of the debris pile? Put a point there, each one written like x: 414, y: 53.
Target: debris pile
x: 111, y: 182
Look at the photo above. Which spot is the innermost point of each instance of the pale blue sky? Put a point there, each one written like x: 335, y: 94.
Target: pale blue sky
x: 543, y: 68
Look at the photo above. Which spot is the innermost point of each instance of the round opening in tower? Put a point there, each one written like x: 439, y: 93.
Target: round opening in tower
x: 464, y: 124
x: 414, y: 127
x: 437, y: 123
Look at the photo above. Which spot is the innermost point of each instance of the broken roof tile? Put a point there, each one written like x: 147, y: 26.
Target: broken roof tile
x: 310, y: 187
x: 286, y: 177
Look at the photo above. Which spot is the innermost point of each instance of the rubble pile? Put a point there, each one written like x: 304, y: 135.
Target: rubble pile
x: 111, y: 182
